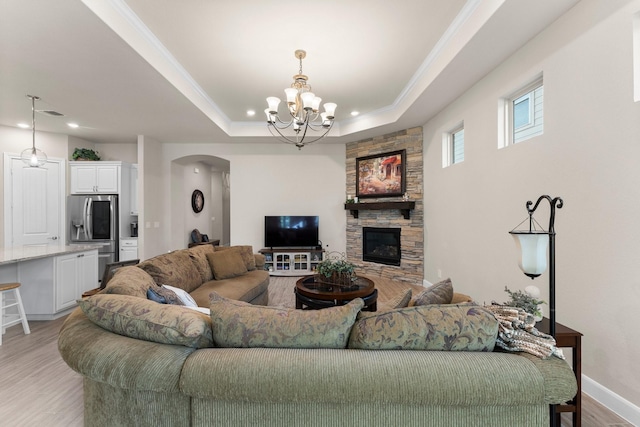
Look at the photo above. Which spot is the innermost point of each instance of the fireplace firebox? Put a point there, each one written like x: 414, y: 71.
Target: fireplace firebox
x: 381, y: 245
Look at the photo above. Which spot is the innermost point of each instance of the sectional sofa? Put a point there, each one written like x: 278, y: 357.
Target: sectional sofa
x: 150, y: 364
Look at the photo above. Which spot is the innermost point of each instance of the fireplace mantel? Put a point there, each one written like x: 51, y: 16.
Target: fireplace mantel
x: 405, y: 208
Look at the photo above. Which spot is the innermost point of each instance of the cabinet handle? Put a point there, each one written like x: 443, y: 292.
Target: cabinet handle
x: 80, y: 256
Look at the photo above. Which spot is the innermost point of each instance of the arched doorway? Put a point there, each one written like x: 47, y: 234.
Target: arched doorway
x: 211, y: 176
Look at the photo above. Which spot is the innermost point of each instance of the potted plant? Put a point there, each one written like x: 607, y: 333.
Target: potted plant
x: 336, y: 271
x: 85, y: 154
x: 525, y: 301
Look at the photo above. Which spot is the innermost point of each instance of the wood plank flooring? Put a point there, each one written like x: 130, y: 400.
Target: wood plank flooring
x: 38, y: 389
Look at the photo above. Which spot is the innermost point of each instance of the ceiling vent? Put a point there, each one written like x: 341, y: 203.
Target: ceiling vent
x: 50, y: 113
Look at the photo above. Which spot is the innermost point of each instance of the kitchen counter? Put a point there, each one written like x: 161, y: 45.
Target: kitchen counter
x: 25, y: 253
x: 53, y: 277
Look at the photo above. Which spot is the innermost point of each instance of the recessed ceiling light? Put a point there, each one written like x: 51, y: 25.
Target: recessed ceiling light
x: 251, y: 113
x: 73, y: 125
x: 355, y: 113
x: 23, y: 125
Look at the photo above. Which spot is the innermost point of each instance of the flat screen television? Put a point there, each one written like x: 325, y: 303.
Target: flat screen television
x: 287, y: 231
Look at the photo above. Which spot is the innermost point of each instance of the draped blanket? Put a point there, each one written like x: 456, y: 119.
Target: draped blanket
x: 516, y: 332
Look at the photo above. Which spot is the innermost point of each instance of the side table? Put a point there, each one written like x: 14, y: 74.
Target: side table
x: 569, y: 338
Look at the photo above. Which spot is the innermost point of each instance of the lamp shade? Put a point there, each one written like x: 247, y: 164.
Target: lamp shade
x: 533, y: 251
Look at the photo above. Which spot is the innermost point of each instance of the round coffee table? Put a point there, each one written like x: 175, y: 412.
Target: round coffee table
x: 314, y: 294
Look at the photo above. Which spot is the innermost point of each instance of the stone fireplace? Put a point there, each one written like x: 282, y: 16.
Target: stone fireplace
x: 410, y: 265
x: 381, y: 245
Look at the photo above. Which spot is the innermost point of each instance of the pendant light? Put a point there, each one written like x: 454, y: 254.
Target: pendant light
x: 33, y: 157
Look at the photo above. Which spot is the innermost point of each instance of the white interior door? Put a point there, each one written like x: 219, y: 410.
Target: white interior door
x: 34, y: 203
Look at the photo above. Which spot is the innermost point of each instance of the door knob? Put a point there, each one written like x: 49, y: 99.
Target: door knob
x: 54, y: 238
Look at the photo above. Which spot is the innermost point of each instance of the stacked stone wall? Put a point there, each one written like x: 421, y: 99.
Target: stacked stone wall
x: 412, y: 230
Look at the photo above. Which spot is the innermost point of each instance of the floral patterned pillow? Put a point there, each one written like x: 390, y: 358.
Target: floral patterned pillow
x: 427, y: 327
x: 147, y: 320
x: 240, y: 324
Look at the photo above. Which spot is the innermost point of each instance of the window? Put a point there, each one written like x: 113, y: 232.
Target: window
x: 453, y: 146
x: 636, y: 57
x: 523, y: 114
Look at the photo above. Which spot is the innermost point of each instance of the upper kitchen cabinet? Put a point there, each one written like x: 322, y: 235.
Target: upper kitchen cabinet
x: 95, y: 177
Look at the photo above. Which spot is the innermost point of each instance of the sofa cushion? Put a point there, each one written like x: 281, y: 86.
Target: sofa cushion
x: 129, y: 281
x: 175, y: 269
x: 147, y: 320
x: 163, y: 295
x: 427, y: 327
x: 226, y: 264
x: 247, y: 288
x: 240, y: 324
x: 440, y: 293
x: 245, y: 251
x: 198, y: 256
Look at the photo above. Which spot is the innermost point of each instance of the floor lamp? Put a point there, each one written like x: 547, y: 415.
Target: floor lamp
x: 533, y: 260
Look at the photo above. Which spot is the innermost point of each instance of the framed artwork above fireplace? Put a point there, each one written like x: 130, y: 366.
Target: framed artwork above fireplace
x: 381, y: 175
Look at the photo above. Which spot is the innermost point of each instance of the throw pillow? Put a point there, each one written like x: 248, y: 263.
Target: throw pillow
x: 245, y: 251
x: 183, y: 295
x: 175, y: 269
x: 440, y: 293
x: 427, y: 327
x: 240, y: 324
x: 163, y: 295
x: 129, y: 281
x: 146, y: 320
x: 226, y: 264
x: 198, y: 255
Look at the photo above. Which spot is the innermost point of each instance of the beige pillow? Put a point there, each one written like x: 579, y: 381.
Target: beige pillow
x: 440, y: 293
x: 147, y: 320
x: 130, y: 281
x: 198, y: 255
x: 240, y: 324
x: 245, y: 251
x: 226, y: 264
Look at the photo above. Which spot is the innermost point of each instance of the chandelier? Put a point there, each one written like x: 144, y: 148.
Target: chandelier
x: 33, y: 157
x: 303, y: 106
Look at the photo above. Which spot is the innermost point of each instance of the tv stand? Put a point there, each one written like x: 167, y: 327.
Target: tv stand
x: 291, y: 261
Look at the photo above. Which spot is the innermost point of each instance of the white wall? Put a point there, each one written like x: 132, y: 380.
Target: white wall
x: 275, y: 179
x: 153, y: 229
x: 588, y: 155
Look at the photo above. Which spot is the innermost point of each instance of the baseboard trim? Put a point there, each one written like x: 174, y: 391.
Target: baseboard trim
x: 426, y: 283
x: 611, y: 400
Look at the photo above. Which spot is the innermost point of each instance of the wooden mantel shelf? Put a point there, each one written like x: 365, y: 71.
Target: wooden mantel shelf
x: 404, y: 207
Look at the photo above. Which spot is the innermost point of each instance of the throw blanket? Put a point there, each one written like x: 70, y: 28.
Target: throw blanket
x: 516, y: 332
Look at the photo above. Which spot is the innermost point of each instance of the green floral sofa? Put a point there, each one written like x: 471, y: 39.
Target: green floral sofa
x: 240, y: 364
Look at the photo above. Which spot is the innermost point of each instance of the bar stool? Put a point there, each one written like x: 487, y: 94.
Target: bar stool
x: 7, y: 302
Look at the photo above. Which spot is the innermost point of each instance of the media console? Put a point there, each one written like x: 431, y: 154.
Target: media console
x: 291, y: 261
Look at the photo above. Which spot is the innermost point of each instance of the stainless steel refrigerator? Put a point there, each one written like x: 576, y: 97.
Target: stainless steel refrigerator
x: 94, y: 219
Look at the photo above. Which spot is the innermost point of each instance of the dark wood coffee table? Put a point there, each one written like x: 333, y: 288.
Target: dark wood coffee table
x: 311, y: 293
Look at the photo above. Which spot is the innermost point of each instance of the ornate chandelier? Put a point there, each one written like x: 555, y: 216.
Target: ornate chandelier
x: 303, y: 106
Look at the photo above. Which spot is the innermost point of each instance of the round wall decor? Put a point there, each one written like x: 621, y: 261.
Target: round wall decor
x: 197, y: 201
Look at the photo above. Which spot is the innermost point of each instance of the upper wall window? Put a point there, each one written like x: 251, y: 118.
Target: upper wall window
x: 636, y: 57
x: 453, y: 146
x: 522, y: 114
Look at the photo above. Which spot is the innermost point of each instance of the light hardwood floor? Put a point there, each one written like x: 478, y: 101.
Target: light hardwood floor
x: 38, y: 389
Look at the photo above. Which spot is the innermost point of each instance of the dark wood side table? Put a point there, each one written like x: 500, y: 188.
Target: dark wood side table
x: 317, y: 295
x: 569, y: 338
x: 211, y: 242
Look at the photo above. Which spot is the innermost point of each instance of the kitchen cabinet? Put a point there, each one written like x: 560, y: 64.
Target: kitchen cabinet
x: 52, y: 279
x: 128, y: 249
x: 74, y: 275
x: 95, y: 177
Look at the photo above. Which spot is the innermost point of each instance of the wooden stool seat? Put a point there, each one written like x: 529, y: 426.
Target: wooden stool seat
x: 7, y: 302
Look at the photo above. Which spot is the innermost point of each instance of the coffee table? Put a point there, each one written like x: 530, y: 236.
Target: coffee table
x: 312, y: 293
